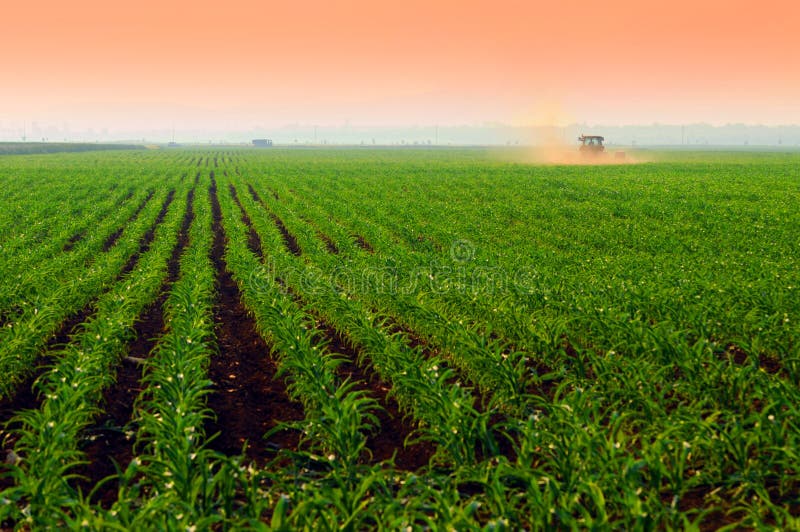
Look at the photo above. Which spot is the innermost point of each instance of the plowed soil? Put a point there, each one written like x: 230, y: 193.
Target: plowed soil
x: 248, y: 399
x: 109, y: 442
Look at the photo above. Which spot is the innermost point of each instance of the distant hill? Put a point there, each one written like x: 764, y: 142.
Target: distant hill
x: 21, y: 148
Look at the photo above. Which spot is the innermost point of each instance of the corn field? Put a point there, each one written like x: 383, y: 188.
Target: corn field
x: 361, y: 339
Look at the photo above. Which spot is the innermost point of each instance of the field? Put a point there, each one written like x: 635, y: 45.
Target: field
x: 359, y: 339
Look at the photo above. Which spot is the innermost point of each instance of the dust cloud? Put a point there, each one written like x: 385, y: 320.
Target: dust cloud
x: 553, y: 142
x: 568, y: 154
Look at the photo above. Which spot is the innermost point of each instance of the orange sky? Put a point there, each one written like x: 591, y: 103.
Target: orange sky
x: 242, y: 63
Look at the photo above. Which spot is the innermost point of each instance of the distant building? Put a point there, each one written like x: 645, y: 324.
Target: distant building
x: 262, y: 143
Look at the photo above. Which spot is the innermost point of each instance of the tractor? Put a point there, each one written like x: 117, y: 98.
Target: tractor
x: 591, y: 144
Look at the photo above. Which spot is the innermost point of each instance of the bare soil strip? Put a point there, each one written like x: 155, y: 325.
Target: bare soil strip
x: 247, y: 399
x: 385, y: 442
x: 110, y: 439
x: 330, y: 245
x: 106, y: 440
x: 253, y: 240
x: 173, y: 266
x: 147, y: 239
x: 255, y: 195
x: 288, y: 239
x: 363, y: 244
x: 429, y: 351
x: 112, y: 239
x: 394, y: 428
x: 25, y: 398
x: 74, y: 239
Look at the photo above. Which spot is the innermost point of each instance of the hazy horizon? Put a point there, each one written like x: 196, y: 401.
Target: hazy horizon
x: 154, y: 66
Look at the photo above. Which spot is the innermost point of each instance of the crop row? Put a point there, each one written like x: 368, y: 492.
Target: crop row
x: 47, y: 439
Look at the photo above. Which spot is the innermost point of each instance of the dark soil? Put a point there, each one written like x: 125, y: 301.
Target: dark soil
x: 141, y: 206
x: 288, y: 239
x: 363, y: 244
x: 253, y: 240
x: 74, y: 239
x: 739, y: 357
x: 330, y: 245
x: 736, y: 354
x: 394, y: 428
x: 695, y: 499
x: 771, y: 365
x: 112, y: 239
x: 147, y: 239
x: 247, y: 398
x: 253, y: 193
x: 174, y: 265
x: 25, y: 397
x: 126, y: 197
x: 106, y: 441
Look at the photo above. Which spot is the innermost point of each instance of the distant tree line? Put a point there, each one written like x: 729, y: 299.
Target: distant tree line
x: 21, y: 148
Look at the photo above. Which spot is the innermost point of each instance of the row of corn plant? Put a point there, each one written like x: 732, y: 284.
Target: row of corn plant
x: 344, y: 496
x: 338, y: 417
x: 39, y: 201
x: 617, y: 383
x: 175, y: 481
x: 37, y: 275
x: 47, y: 447
x: 715, y: 289
x: 74, y: 221
x: 489, y: 363
x: 423, y: 386
x: 22, y: 341
x: 56, y: 198
x: 543, y: 335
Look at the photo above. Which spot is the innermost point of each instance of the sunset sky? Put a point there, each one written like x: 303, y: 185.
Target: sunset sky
x: 244, y: 63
